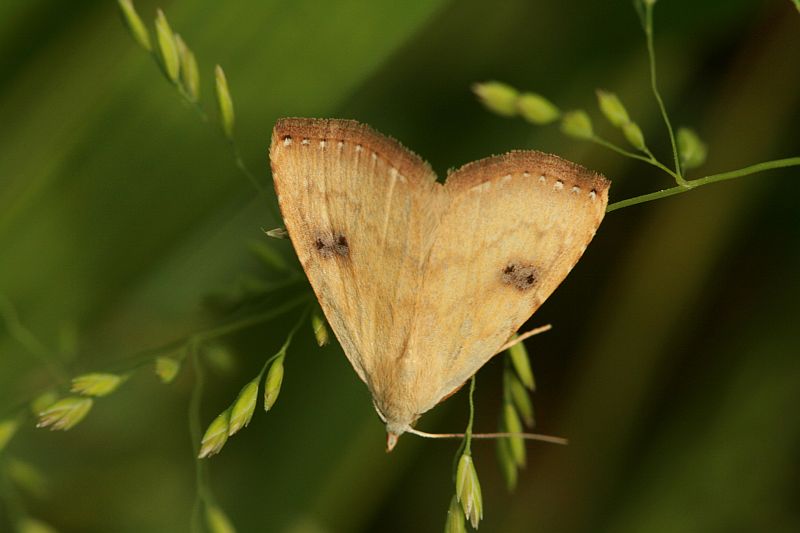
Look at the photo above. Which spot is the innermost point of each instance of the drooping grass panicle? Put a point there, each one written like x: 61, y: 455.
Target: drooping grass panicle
x: 688, y: 150
x: 179, y: 65
x: 64, y: 413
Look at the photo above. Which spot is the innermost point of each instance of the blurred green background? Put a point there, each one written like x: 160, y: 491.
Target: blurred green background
x: 674, y: 363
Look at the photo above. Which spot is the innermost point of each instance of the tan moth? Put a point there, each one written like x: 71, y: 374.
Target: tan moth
x: 423, y: 282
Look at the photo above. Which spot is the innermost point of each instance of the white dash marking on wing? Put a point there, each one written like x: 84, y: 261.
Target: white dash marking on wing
x: 388, y: 209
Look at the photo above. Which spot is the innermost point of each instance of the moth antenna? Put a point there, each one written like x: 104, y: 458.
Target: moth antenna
x: 523, y: 336
x: 527, y: 436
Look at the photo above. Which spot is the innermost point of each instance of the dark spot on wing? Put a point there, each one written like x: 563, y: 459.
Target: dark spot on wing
x: 332, y: 244
x: 520, y: 276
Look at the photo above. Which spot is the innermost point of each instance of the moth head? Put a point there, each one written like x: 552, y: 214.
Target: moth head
x: 394, y: 427
x: 393, y: 432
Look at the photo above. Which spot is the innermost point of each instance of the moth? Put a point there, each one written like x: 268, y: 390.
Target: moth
x: 423, y: 282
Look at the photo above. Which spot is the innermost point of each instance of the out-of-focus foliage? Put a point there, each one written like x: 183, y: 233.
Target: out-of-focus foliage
x: 124, y: 224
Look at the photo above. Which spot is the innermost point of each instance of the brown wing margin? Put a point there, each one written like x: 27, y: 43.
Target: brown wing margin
x: 535, y: 163
x: 407, y: 162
